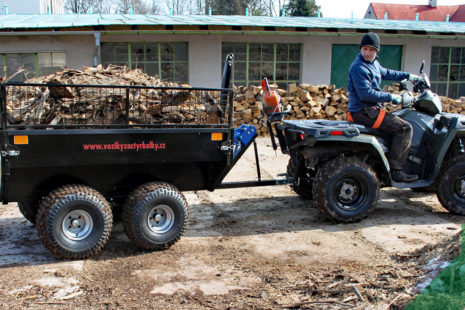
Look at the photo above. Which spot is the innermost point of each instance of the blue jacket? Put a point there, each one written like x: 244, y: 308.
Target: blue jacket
x: 364, y: 83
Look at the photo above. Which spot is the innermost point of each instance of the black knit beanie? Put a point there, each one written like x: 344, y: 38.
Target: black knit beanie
x: 370, y: 39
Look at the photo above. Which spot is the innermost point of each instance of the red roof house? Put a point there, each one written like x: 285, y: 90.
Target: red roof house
x: 431, y: 12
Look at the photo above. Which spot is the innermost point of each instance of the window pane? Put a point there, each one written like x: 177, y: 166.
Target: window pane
x: 59, y: 59
x: 114, y: 53
x: 434, y: 73
x: 167, y: 52
x: 45, y: 60
x: 442, y: 73
x: 267, y: 70
x: 151, y: 52
x: 294, y: 72
x: 121, y: 52
x: 48, y: 62
x: 13, y: 63
x: 455, y: 55
x: 282, y: 52
x: 137, y: 54
x: 181, y: 72
x: 454, y: 73
x: 167, y: 71
x: 462, y: 72
x: 441, y: 89
x: 254, y: 71
x: 281, y: 71
x: 461, y: 90
x: 181, y: 51
x: 151, y: 68
x: 267, y: 52
x: 254, y: 52
x: 443, y: 54
x: 239, y: 70
x: 294, y: 52
x: 28, y: 62
x: 453, y: 87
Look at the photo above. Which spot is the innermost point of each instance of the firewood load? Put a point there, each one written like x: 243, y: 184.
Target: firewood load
x: 311, y: 102
x: 60, y: 105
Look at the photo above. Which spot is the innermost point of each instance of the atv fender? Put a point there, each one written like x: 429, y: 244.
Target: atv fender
x: 455, y: 129
x: 362, y: 139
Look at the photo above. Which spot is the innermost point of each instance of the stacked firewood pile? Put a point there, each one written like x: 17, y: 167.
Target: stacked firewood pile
x: 311, y: 102
x: 66, y: 104
x: 62, y: 105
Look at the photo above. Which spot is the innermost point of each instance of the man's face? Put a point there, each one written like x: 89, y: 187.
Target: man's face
x: 369, y: 53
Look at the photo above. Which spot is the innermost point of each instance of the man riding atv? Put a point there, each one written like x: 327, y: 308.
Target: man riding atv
x: 365, y: 96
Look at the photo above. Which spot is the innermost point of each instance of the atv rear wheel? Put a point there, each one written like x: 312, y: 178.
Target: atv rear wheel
x: 301, y: 183
x: 155, y: 216
x: 74, y: 222
x: 346, y: 189
x: 450, y: 187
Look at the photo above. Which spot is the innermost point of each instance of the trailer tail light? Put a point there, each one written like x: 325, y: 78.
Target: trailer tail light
x: 217, y: 136
x: 336, y: 133
x: 21, y: 139
x: 301, y: 137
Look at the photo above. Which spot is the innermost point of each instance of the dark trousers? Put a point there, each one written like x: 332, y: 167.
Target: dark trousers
x: 400, y: 131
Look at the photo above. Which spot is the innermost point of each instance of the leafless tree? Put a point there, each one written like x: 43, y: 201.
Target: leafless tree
x: 138, y: 7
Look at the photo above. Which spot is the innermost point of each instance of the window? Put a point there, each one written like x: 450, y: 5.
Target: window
x: 279, y: 62
x: 34, y: 64
x: 447, y: 72
x: 169, y: 61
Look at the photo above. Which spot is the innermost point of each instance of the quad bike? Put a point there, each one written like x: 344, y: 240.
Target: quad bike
x: 342, y: 165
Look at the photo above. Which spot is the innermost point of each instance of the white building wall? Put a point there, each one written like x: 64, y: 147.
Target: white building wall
x: 205, y: 55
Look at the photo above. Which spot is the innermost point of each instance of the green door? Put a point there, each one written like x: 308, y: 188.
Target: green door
x: 344, y: 54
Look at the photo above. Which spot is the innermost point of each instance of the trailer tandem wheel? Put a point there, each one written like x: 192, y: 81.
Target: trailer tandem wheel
x: 301, y: 183
x: 74, y: 222
x: 28, y: 211
x: 155, y: 216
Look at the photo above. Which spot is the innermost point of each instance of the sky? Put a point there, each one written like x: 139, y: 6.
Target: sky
x: 344, y: 8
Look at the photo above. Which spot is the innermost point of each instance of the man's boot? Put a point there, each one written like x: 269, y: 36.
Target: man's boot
x: 402, y: 176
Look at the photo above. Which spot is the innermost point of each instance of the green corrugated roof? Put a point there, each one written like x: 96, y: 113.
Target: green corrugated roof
x: 28, y: 22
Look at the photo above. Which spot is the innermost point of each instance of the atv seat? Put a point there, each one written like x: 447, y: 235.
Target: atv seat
x: 383, y: 139
x: 341, y: 124
x: 367, y: 130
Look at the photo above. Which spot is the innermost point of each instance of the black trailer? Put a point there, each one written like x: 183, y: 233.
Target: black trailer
x: 73, y: 156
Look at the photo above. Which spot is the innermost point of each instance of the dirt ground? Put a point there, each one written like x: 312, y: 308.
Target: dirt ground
x: 257, y: 248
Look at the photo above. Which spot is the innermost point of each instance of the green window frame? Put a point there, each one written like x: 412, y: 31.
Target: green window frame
x: 34, y: 64
x: 447, y: 71
x: 279, y: 62
x: 167, y: 60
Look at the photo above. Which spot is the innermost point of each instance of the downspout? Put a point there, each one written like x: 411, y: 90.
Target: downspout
x: 97, y: 59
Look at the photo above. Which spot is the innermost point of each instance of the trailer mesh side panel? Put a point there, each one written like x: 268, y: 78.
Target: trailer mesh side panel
x: 44, y: 105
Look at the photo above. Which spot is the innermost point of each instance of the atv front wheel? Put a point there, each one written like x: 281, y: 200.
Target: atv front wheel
x: 346, y: 189
x: 301, y: 183
x: 450, y: 187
